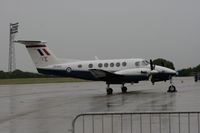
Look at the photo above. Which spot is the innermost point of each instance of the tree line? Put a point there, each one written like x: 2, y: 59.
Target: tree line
x: 20, y: 74
x: 182, y: 72
x: 189, y: 71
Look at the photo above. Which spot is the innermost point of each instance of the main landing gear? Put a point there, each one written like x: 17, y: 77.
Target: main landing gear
x: 124, y: 88
x: 172, y: 88
x: 110, y: 90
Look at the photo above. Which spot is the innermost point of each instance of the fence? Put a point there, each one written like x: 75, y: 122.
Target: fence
x: 137, y: 122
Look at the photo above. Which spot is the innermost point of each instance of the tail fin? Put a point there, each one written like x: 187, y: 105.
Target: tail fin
x: 40, y: 53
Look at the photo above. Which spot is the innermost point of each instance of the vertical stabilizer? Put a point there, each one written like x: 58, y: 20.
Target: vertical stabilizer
x: 40, y: 53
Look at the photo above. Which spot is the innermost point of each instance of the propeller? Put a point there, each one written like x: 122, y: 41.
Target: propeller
x: 152, y: 66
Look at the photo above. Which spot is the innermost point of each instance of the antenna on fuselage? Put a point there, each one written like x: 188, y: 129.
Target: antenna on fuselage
x: 96, y: 58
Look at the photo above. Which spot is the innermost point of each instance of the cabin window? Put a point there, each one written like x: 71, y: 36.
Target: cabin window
x: 100, y: 65
x: 90, y: 65
x: 79, y: 66
x: 124, y: 64
x: 105, y: 64
x: 117, y: 64
x: 111, y: 64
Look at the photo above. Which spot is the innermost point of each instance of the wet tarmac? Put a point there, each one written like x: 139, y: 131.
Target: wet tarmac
x: 50, y: 108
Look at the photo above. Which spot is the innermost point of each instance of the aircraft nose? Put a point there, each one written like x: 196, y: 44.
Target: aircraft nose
x: 167, y: 70
x: 170, y: 71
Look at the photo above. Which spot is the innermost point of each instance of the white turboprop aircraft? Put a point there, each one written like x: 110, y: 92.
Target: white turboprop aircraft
x: 115, y: 71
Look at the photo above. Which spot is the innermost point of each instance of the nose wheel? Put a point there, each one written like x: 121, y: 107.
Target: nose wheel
x: 171, y: 88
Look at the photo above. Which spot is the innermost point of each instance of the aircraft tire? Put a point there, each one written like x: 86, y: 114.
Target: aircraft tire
x: 109, y: 91
x: 172, y: 89
x: 124, y: 89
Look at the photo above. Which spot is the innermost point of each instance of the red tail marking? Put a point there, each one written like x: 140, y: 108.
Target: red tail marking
x: 46, y: 52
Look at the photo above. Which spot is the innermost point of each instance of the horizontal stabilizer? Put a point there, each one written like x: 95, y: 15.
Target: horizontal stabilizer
x: 27, y: 42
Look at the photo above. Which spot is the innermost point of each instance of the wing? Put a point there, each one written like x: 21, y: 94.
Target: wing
x: 123, y: 76
x: 104, y: 75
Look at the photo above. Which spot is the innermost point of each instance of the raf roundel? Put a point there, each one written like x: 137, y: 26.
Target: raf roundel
x: 69, y: 69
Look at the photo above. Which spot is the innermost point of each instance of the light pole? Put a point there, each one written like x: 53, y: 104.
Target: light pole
x: 12, y: 60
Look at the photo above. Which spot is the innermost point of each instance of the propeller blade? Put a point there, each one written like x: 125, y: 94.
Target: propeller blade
x: 151, y: 65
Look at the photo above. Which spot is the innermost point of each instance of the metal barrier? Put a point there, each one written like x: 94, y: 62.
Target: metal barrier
x: 137, y: 122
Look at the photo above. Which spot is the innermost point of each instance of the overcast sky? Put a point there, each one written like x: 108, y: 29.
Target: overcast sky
x: 82, y: 29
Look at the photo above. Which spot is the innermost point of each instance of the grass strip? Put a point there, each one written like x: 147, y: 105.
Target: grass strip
x: 38, y: 80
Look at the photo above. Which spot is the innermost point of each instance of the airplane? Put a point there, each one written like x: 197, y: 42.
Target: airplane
x: 111, y: 71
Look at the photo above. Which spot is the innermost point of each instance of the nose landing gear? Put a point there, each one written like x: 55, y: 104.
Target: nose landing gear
x: 172, y: 88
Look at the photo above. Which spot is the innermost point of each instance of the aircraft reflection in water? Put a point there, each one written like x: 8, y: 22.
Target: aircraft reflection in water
x: 115, y: 71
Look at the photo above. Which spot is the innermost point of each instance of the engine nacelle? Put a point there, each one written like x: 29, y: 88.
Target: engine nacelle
x: 135, y: 71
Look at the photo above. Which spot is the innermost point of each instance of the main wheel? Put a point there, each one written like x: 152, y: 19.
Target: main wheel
x: 124, y: 89
x: 172, y: 88
x: 109, y: 91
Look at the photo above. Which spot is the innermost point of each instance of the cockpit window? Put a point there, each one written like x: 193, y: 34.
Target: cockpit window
x: 145, y: 63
